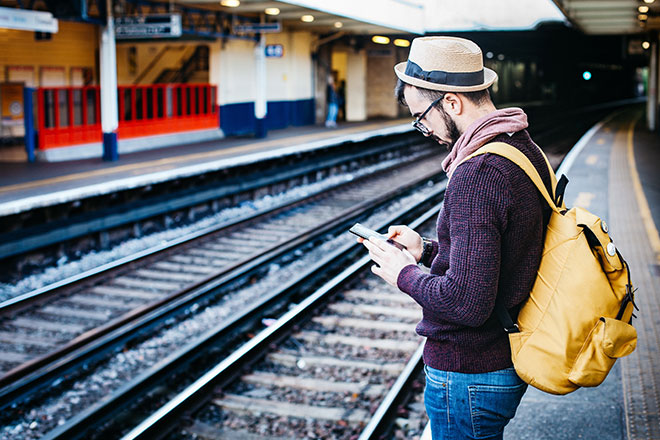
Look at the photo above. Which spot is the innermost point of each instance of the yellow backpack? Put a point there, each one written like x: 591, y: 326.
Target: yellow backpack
x: 576, y: 322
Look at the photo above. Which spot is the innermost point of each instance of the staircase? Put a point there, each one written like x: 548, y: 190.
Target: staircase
x: 177, y: 64
x: 195, y: 69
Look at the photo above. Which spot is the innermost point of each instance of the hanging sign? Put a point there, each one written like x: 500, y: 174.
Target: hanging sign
x: 255, y: 28
x: 148, y: 26
x: 11, y: 18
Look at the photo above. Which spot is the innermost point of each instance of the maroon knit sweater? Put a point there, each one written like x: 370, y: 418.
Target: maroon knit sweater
x: 490, y: 239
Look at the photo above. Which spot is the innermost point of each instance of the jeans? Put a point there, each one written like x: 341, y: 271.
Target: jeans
x: 333, y: 108
x: 471, y: 406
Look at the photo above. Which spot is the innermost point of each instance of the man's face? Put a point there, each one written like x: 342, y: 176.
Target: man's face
x: 441, y: 126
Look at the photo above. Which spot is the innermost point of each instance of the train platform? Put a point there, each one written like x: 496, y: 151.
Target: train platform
x: 612, y: 173
x: 25, y: 186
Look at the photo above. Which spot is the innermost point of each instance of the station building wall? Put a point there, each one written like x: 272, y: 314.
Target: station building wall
x: 68, y: 58
x: 289, y: 87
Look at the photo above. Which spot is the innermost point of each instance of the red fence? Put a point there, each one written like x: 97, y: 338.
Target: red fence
x: 72, y: 115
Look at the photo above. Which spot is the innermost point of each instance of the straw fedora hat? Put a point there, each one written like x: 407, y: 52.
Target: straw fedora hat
x: 448, y: 64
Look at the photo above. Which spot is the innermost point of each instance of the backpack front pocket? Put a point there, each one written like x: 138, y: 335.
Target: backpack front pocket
x: 609, y: 340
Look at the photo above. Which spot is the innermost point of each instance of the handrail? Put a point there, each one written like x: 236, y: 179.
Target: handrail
x: 151, y: 65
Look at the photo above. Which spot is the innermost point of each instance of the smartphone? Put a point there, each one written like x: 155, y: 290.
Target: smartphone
x: 366, y: 233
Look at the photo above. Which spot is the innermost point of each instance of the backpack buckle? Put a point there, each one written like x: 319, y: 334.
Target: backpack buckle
x: 514, y: 329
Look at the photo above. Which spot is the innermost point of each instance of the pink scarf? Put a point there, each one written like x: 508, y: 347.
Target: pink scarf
x: 508, y: 120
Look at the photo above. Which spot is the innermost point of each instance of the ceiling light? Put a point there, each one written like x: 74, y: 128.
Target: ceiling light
x: 307, y: 18
x: 379, y: 39
x: 643, y: 9
x: 649, y: 1
x: 272, y: 11
x: 401, y: 42
x: 230, y: 3
x: 646, y: 45
x: 339, y: 24
x: 642, y: 17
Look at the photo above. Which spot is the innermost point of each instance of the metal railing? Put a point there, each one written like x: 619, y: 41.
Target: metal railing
x: 72, y: 115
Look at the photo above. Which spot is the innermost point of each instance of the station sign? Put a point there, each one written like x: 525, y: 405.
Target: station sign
x: 274, y: 51
x: 148, y: 26
x: 256, y: 28
x: 23, y: 20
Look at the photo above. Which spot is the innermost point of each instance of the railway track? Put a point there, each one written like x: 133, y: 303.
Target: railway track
x: 328, y: 377
x: 299, y: 224
x: 337, y: 366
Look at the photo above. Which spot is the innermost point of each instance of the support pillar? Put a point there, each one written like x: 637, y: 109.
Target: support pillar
x: 28, y: 121
x: 215, y: 50
x: 260, y: 107
x: 109, y: 110
x: 356, y: 86
x: 652, y: 99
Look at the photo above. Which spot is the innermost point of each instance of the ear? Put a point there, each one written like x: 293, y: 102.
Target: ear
x: 453, y: 104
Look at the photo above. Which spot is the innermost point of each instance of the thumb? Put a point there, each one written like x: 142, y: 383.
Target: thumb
x: 394, y: 230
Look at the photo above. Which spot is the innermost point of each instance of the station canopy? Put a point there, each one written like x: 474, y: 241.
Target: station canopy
x: 612, y: 16
x: 394, y: 16
x: 350, y: 16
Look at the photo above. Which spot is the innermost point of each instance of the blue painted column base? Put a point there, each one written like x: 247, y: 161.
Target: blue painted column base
x: 110, y: 151
x: 260, y: 128
x: 28, y: 121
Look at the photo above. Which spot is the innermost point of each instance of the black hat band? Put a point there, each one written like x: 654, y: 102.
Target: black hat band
x: 441, y: 77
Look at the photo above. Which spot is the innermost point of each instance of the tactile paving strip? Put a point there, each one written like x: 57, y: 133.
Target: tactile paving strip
x: 640, y: 370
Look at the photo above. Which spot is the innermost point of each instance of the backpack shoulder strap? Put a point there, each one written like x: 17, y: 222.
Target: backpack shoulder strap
x: 551, y: 172
x: 518, y: 157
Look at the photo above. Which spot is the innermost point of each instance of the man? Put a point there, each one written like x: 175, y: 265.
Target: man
x: 489, y: 240
x: 333, y: 102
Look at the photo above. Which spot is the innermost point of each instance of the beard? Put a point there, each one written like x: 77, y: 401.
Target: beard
x: 452, y: 131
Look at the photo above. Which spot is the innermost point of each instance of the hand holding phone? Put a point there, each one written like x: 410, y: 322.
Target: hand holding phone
x: 366, y: 233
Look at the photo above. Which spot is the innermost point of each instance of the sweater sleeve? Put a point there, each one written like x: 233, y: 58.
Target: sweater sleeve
x: 478, y: 211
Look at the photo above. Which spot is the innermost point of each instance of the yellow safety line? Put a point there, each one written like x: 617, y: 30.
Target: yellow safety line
x: 644, y: 210
x: 178, y: 159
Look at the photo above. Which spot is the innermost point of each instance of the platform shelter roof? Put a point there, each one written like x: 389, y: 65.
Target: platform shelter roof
x: 349, y: 16
x: 612, y: 16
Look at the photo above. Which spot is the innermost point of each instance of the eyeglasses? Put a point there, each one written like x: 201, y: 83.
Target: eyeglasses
x: 417, y: 123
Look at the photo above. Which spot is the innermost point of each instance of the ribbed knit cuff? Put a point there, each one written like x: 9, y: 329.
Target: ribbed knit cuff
x: 409, y: 278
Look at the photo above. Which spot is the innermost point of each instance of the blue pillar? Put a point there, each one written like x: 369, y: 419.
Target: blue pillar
x: 28, y: 122
x: 110, y: 151
x: 260, y: 128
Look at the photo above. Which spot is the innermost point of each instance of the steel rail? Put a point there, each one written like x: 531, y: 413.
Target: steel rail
x: 165, y: 418
x: 58, y: 365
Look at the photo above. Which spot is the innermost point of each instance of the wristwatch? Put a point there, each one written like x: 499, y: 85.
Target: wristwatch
x: 427, y: 250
